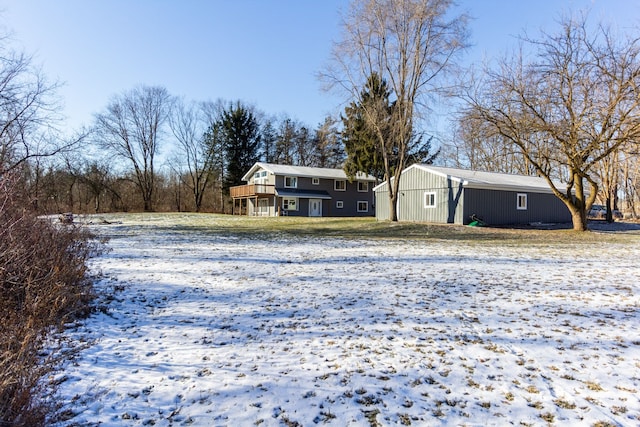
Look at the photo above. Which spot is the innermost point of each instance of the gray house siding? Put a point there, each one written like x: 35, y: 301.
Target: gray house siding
x: 349, y: 198
x: 382, y: 204
x: 446, y: 195
x: 453, y: 200
x: 411, y: 199
x: 500, y: 207
x: 335, y: 203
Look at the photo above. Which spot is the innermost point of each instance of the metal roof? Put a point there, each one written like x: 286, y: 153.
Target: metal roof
x: 304, y: 171
x: 487, y: 180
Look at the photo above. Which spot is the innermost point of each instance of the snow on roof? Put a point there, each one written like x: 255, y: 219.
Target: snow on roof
x: 304, y: 171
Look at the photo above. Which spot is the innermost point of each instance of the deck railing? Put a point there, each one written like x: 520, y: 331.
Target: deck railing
x: 251, y: 190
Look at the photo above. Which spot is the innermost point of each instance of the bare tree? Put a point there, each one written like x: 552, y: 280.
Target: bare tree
x: 285, y: 143
x: 410, y: 44
x: 608, y: 172
x: 195, y: 132
x: 328, y: 147
x: 476, y: 146
x: 130, y: 128
x: 29, y: 112
x: 630, y: 181
x: 569, y: 108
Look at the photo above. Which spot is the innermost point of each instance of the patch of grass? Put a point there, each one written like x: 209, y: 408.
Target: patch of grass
x: 564, y: 404
x: 622, y: 388
x: 273, y: 227
x: 324, y: 417
x: 472, y: 383
x: 290, y: 423
x: 593, y: 386
x: 495, y: 348
x: 532, y: 389
x: 405, y: 419
x: 548, y: 417
x: 368, y: 400
x: 536, y: 405
x: 371, y: 416
x: 619, y: 410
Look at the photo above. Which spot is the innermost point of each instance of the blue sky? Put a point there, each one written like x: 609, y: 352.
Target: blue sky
x: 262, y: 52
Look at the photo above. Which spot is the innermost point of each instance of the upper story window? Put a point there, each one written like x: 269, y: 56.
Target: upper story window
x: 315, y: 181
x: 260, y: 177
x: 291, y: 182
x: 363, y: 186
x: 521, y: 201
x: 340, y: 185
x: 429, y: 199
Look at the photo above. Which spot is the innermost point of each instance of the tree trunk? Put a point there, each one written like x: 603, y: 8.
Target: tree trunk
x: 579, y: 220
x: 609, y: 210
x: 393, y: 203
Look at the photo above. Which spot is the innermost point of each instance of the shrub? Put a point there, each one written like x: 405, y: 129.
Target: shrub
x: 43, y: 285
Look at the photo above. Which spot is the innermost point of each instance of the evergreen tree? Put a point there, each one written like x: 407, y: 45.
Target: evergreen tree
x: 360, y: 142
x: 240, y: 132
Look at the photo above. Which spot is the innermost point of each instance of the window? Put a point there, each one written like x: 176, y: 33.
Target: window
x: 521, y: 201
x: 339, y: 204
x: 429, y: 199
x: 315, y: 181
x: 291, y: 182
x: 290, y: 204
x: 363, y: 206
x: 340, y: 185
x: 363, y: 186
x: 260, y: 177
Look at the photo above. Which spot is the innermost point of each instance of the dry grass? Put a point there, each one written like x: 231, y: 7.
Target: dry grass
x: 276, y: 227
x: 42, y: 286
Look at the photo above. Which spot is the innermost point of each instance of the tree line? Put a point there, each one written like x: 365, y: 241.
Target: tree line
x: 564, y: 106
x: 149, y: 150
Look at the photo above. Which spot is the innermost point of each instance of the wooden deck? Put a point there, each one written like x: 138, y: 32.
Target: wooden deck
x: 252, y: 190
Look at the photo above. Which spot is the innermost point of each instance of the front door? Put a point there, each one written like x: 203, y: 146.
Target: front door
x: 315, y: 207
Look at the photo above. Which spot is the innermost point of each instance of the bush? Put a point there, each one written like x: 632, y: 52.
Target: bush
x: 43, y: 285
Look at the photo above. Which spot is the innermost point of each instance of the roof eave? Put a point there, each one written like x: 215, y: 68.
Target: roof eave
x: 247, y: 176
x: 498, y: 187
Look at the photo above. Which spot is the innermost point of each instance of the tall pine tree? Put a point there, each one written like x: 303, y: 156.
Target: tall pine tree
x: 240, y: 133
x: 360, y: 142
x: 364, y: 153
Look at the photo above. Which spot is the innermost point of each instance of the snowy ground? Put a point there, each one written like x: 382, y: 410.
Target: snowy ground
x: 210, y: 329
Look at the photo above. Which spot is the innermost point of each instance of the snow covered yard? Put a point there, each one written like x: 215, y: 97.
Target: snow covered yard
x: 223, y: 329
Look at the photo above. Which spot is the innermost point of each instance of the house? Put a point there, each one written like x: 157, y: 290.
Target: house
x: 453, y: 196
x: 274, y: 190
